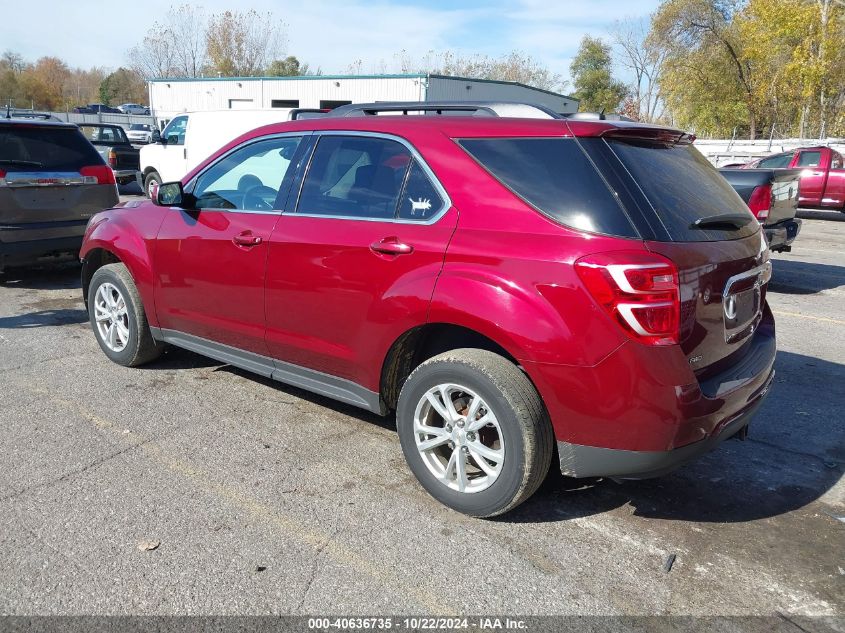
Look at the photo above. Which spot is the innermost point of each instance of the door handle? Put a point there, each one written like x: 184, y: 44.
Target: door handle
x: 391, y: 246
x: 246, y: 239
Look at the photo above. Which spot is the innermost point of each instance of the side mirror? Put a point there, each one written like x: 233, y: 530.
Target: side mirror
x: 156, y: 137
x: 168, y: 194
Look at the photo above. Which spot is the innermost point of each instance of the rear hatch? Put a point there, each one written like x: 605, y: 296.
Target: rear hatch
x: 690, y: 214
x: 51, y: 181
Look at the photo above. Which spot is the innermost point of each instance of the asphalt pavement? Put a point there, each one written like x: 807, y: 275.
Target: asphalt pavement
x: 191, y: 487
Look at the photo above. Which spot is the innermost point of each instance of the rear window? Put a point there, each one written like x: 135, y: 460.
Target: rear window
x: 555, y: 177
x: 45, y: 148
x: 682, y: 187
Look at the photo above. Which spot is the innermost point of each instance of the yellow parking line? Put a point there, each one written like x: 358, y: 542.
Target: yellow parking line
x: 807, y: 316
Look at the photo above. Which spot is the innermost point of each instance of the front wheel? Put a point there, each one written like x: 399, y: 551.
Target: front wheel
x: 150, y: 180
x: 474, y: 431
x: 118, y: 319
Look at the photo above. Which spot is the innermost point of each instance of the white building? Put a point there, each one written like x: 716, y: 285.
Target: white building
x: 169, y: 97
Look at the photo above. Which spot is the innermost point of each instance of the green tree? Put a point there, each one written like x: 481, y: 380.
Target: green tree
x: 122, y: 86
x: 592, y: 77
x: 287, y: 67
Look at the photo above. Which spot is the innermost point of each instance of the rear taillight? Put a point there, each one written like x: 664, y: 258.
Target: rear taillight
x: 98, y: 175
x: 761, y: 201
x: 639, y: 290
x: 2, y: 178
x: 112, y: 158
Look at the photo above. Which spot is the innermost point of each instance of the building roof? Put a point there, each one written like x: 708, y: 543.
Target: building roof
x: 351, y: 77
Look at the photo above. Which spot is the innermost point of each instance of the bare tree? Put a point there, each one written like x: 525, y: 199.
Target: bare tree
x: 635, y: 52
x: 174, y: 49
x: 241, y: 44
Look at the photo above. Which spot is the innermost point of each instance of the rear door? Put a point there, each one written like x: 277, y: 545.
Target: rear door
x: 51, y: 181
x: 723, y: 265
x: 354, y: 264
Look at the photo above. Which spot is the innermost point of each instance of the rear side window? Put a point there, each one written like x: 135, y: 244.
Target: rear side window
x: 682, y: 187
x: 809, y: 159
x: 355, y: 177
x: 420, y: 200
x: 554, y: 176
x: 45, y: 148
x: 776, y: 162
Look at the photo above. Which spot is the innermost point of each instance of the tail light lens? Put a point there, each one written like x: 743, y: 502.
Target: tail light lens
x: 112, y: 158
x: 2, y: 178
x: 639, y: 290
x: 98, y: 175
x: 761, y: 201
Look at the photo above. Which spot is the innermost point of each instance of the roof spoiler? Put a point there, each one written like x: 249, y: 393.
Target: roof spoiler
x: 651, y: 134
x: 466, y: 108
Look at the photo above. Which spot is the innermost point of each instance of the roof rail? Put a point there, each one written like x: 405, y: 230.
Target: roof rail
x: 597, y: 116
x: 471, y: 108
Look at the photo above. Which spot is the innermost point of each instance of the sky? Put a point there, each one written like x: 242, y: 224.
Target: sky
x: 331, y: 34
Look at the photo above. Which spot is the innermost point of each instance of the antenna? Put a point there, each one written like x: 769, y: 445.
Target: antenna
x: 601, y: 115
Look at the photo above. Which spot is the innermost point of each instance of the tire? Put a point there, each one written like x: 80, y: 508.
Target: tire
x: 131, y: 343
x: 518, y: 437
x: 149, y: 179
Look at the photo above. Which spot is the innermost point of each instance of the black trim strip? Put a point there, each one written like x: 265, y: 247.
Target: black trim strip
x: 288, y: 373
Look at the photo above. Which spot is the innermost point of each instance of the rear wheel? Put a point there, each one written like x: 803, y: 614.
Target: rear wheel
x: 150, y: 180
x: 474, y: 431
x: 118, y: 319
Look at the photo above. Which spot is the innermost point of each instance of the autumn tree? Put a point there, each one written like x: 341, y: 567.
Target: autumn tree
x: 591, y: 74
x: 241, y: 44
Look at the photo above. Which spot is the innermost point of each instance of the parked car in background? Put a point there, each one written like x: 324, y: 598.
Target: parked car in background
x: 772, y: 196
x: 140, y: 133
x: 133, y: 108
x: 51, y: 182
x: 102, y: 108
x: 83, y: 110
x: 114, y: 146
x: 502, y: 284
x: 190, y: 138
x: 822, y: 175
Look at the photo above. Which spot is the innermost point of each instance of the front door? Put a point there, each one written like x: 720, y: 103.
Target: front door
x: 210, y: 259
x: 812, y: 177
x: 353, y: 265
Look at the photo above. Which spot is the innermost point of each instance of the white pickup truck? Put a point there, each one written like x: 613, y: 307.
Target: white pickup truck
x: 190, y: 138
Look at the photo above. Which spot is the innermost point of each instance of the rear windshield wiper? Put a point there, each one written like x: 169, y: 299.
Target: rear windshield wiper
x: 733, y: 220
x: 23, y: 163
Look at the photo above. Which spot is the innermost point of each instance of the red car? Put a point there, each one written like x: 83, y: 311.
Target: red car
x: 822, y: 183
x: 513, y: 288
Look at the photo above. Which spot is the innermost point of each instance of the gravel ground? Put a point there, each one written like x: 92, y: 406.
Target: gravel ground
x: 259, y: 498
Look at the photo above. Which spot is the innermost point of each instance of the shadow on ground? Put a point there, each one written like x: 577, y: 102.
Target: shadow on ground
x: 792, y: 457
x: 791, y: 276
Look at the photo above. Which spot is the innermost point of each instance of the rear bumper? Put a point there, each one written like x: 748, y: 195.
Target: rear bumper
x: 781, y: 235
x: 126, y: 176
x: 30, y: 251
x: 592, y: 461
x: 643, y: 411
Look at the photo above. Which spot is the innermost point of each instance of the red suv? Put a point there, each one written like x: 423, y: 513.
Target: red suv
x: 513, y: 288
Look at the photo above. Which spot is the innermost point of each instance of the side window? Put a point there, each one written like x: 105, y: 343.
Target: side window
x: 836, y: 160
x: 781, y: 160
x: 420, y: 200
x: 809, y: 159
x: 249, y: 178
x: 355, y: 177
x: 175, y: 131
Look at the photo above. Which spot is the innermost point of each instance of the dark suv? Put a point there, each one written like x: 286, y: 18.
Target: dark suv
x: 52, y: 181
x: 510, y: 287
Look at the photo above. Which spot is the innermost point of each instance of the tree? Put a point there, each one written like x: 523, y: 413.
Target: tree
x: 240, y: 44
x: 514, y: 66
x: 594, y: 84
x: 640, y: 56
x: 287, y: 67
x: 174, y: 49
x: 122, y: 86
